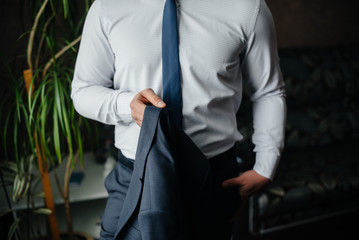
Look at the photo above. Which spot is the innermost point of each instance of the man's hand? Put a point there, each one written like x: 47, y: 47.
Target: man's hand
x: 139, y: 102
x: 248, y: 182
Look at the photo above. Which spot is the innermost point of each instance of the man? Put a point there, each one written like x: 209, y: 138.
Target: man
x: 221, y: 43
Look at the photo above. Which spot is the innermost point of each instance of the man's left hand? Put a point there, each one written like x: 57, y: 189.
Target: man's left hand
x: 248, y: 182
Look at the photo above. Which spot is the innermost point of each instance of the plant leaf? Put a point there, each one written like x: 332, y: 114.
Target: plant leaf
x: 13, y: 228
x: 45, y: 211
x: 5, y: 211
x: 56, y: 135
x: 65, y: 4
x: 5, y: 133
x: 40, y: 194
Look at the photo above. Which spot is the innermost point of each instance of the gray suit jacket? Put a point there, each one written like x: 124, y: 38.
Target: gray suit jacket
x: 168, y: 183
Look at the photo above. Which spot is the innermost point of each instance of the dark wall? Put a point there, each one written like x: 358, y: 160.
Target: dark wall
x: 298, y: 23
x: 315, y: 22
x: 14, y: 18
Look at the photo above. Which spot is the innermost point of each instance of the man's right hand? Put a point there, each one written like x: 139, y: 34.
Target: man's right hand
x: 139, y: 102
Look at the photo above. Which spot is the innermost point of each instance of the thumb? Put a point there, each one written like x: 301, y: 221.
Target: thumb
x: 151, y: 96
x: 232, y: 182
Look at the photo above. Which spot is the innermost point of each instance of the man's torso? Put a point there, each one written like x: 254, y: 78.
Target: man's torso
x: 212, y: 35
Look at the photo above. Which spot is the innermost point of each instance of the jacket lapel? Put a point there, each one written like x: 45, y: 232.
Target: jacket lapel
x: 133, y: 196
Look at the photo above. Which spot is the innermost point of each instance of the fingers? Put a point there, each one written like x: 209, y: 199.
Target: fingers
x: 151, y: 96
x: 139, y: 102
x: 137, y: 109
x: 245, y: 190
x: 249, y: 183
x: 236, y: 182
x: 233, y: 182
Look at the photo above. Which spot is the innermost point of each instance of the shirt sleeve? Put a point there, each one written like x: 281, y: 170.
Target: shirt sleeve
x: 261, y: 69
x: 92, y: 90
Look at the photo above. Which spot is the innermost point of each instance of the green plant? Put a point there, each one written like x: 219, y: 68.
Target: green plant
x: 39, y: 109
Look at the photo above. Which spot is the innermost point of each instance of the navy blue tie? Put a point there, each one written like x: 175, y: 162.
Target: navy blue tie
x: 171, y: 81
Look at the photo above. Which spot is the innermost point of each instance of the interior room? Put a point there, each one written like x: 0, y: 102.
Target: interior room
x: 315, y: 191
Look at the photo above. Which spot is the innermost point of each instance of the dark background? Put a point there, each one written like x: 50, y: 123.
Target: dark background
x: 298, y: 23
x: 316, y: 23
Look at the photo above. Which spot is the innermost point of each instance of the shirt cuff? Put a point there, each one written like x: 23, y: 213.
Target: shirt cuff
x: 266, y: 164
x: 123, y: 106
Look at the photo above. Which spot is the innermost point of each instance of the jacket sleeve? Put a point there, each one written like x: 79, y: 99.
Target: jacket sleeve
x: 92, y: 92
x: 261, y: 69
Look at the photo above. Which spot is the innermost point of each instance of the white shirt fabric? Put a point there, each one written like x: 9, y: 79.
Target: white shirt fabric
x: 221, y: 44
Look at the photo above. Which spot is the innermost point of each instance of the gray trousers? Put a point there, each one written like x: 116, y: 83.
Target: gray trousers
x: 221, y: 204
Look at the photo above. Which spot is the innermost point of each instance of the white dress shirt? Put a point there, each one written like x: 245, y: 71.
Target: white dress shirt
x: 221, y: 43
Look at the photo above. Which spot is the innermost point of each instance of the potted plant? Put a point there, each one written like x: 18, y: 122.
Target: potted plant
x: 46, y: 128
